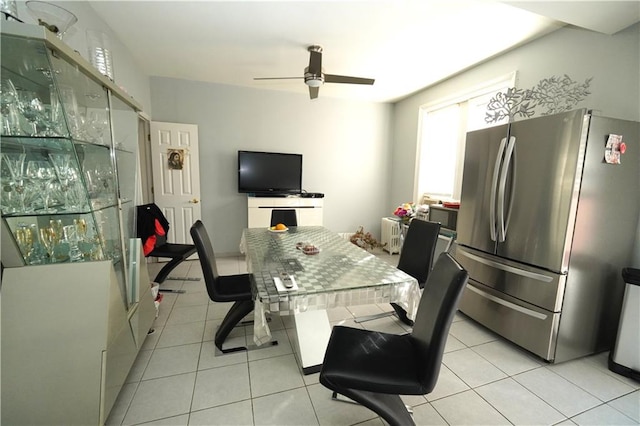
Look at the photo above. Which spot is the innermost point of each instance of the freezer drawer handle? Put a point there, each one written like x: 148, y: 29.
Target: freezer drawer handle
x: 507, y: 268
x: 509, y: 305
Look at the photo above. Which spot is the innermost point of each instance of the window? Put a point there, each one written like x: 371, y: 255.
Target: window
x: 441, y: 138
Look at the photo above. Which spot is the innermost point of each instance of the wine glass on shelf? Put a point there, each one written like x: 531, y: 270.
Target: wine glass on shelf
x: 8, y: 109
x: 47, y: 238
x: 24, y: 238
x: 8, y: 200
x: 85, y: 243
x: 96, y: 125
x: 59, y: 250
x: 81, y: 224
x: 42, y: 175
x: 15, y: 164
x: 71, y: 237
x: 32, y: 109
x: 63, y: 169
x: 76, y: 193
x: 69, y: 102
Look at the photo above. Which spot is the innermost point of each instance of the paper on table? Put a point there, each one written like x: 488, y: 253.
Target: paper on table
x: 280, y: 286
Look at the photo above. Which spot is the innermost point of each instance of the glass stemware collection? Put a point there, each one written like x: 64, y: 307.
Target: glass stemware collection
x: 26, y: 113
x: 56, y: 243
x: 53, y: 186
x: 49, y: 179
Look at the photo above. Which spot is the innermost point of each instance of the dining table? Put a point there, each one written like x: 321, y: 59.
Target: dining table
x: 327, y: 271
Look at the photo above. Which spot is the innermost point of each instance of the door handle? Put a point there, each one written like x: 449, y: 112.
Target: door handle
x: 494, y: 189
x: 502, y: 222
x: 194, y: 201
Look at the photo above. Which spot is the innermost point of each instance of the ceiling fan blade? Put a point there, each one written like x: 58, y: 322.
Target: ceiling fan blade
x: 313, y: 92
x: 315, y: 62
x: 332, y: 78
x: 278, y: 78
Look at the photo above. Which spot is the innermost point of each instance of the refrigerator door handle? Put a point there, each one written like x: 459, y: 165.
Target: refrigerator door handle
x: 494, y: 189
x: 504, y: 173
x: 506, y: 268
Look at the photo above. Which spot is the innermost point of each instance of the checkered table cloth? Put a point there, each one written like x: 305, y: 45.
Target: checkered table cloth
x: 340, y: 275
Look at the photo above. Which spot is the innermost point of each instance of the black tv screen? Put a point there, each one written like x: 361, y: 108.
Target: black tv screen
x: 269, y: 172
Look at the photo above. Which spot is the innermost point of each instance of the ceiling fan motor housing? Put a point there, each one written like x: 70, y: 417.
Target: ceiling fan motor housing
x: 311, y: 79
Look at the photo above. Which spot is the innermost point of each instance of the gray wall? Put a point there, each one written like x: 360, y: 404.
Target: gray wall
x: 612, y: 61
x: 345, y: 148
x: 363, y: 155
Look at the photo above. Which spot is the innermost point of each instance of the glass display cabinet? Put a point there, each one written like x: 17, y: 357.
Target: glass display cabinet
x: 74, y: 287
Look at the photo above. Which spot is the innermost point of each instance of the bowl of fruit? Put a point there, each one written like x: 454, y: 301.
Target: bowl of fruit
x: 280, y: 227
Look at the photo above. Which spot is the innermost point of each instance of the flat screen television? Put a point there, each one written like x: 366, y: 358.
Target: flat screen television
x: 265, y: 173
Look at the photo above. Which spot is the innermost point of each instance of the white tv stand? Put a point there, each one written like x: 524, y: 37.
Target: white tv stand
x: 308, y: 210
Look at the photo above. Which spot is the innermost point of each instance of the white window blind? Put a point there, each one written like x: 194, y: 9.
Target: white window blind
x: 441, y: 139
x: 438, y: 150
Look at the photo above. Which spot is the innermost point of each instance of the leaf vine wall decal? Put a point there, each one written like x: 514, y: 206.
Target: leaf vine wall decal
x: 553, y: 95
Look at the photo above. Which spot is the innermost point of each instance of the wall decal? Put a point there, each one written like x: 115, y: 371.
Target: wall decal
x: 553, y: 95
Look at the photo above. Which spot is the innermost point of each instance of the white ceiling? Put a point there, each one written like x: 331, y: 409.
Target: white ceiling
x: 405, y: 45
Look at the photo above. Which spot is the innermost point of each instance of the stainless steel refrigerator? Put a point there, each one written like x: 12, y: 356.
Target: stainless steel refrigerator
x: 545, y: 227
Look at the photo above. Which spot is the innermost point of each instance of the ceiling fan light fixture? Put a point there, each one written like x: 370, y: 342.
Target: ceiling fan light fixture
x: 313, y: 81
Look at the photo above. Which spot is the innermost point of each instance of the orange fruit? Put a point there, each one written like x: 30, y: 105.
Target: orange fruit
x: 280, y: 227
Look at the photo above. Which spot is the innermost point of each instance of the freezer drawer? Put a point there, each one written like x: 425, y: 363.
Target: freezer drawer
x: 526, y: 325
x: 526, y: 283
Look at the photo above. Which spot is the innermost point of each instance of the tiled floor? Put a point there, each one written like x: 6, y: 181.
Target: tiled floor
x: 179, y: 379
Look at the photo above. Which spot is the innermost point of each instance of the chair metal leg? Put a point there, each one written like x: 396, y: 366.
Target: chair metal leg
x: 170, y: 290
x: 341, y: 398
x: 184, y: 278
x: 238, y: 311
x: 399, y: 312
x: 373, y: 317
x: 402, y: 314
x: 248, y: 348
x: 388, y: 407
x: 251, y: 322
x: 166, y: 269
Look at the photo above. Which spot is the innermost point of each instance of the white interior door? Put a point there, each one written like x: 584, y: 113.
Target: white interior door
x: 176, y: 176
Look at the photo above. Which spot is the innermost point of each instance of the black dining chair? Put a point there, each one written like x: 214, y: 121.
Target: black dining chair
x: 223, y: 288
x: 287, y: 217
x: 416, y: 259
x: 374, y: 368
x: 152, y: 227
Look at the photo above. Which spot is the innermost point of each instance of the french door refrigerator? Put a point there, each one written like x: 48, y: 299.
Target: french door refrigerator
x: 544, y: 229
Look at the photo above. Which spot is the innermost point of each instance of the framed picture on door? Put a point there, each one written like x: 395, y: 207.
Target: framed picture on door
x: 175, y: 159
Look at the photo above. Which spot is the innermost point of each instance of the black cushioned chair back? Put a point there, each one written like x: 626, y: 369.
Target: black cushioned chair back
x: 287, y: 217
x: 207, y: 258
x: 418, y: 248
x: 435, y: 314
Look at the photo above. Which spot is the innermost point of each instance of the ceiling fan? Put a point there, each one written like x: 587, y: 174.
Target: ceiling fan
x: 314, y: 77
